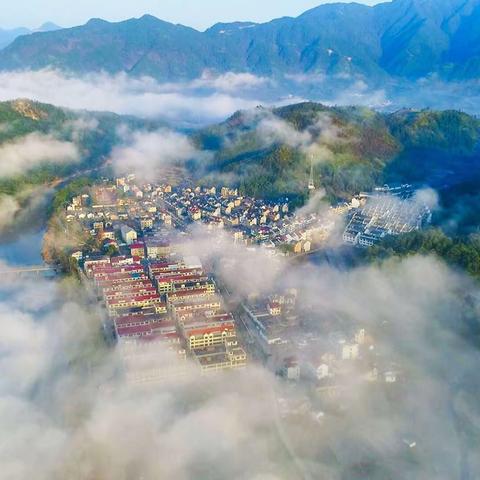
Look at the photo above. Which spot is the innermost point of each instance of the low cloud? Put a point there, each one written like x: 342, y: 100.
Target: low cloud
x: 341, y: 89
x: 78, y: 127
x: 146, y: 153
x: 441, y: 95
x: 315, y: 141
x: 208, y: 99
x: 213, y: 97
x: 244, y: 269
x: 360, y: 93
x: 22, y: 154
x: 230, y: 82
x: 9, y: 208
x: 273, y: 129
x: 24, y: 210
x: 59, y: 393
x: 428, y: 197
x: 307, y: 79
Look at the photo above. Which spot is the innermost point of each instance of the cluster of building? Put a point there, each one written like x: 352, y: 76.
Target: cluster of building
x: 119, y: 212
x: 116, y: 214
x: 250, y: 220
x: 295, y: 348
x: 385, y: 211
x: 165, y: 313
x: 272, y: 321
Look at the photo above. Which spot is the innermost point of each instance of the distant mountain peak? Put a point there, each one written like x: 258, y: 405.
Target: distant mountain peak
x: 48, y: 27
x: 97, y: 21
x: 149, y: 17
x: 402, y: 39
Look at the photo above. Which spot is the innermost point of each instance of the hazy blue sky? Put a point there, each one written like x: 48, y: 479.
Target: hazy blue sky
x: 196, y: 13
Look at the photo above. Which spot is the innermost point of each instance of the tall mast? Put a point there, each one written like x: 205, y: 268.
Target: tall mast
x: 311, y: 183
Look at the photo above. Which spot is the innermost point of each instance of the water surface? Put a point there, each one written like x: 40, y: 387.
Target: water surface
x: 26, y: 249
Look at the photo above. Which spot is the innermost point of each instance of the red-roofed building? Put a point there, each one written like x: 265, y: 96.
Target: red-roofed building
x: 116, y: 305
x: 145, y: 330
x: 133, y: 319
x: 183, y: 296
x: 91, y: 263
x: 133, y: 293
x: 202, y: 331
x: 158, y: 248
x: 121, y: 260
x: 111, y: 271
x: 172, y: 283
x: 112, y: 286
x: 121, y: 279
x: 137, y: 249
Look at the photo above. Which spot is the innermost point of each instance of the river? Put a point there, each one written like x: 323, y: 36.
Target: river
x: 25, y: 249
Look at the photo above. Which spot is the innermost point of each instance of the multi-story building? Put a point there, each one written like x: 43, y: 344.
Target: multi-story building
x: 95, y: 261
x: 119, y: 304
x: 158, y: 249
x: 181, y: 296
x: 137, y: 249
x: 146, y: 223
x: 172, y: 283
x: 202, y: 331
x: 182, y: 310
x: 386, y: 211
x: 220, y: 357
x: 129, y: 235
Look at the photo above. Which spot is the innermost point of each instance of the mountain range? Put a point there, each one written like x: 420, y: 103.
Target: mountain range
x: 7, y: 36
x: 407, y: 39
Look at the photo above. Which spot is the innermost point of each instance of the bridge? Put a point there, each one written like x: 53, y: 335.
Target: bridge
x: 29, y: 270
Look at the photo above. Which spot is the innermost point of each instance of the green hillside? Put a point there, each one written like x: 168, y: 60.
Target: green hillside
x: 93, y: 133
x: 354, y: 149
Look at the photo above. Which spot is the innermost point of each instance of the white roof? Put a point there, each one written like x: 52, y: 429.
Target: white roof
x: 192, y: 261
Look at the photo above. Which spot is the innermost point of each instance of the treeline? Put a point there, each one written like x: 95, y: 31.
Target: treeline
x: 449, y: 130
x: 65, y: 195
x: 41, y: 175
x: 459, y: 252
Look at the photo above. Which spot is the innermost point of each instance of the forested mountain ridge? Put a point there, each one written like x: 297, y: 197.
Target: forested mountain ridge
x: 408, y: 39
x: 269, y: 152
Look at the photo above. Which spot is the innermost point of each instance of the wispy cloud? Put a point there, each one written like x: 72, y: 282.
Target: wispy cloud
x: 204, y: 100
x: 145, y: 153
x: 230, y: 81
x: 25, y: 153
x: 9, y: 208
x: 59, y: 394
x: 22, y: 211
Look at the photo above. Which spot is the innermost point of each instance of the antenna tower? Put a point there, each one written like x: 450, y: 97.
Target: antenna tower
x: 311, y: 183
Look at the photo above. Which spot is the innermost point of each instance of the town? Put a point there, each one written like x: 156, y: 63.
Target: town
x: 145, y: 209
x: 172, y: 313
